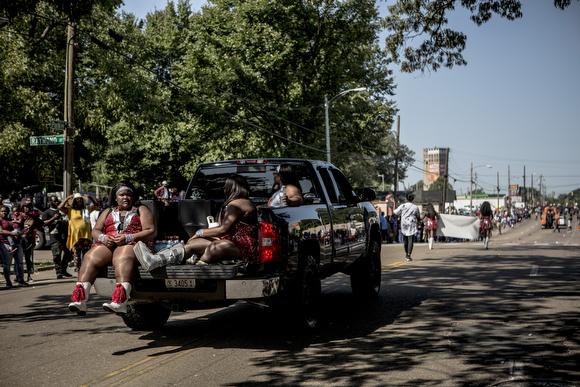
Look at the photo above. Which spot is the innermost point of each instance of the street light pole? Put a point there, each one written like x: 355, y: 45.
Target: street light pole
x: 326, y: 104
x: 471, y: 187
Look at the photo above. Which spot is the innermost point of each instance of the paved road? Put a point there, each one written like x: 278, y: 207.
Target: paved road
x: 458, y: 315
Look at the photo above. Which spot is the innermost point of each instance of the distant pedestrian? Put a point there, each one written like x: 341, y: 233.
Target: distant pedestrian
x: 31, y: 223
x: 431, y: 217
x: 6, y: 229
x: 162, y: 192
x: 570, y: 217
x: 57, y: 232
x: 79, y: 224
x: 485, y: 226
x: 409, y: 214
x: 384, y: 226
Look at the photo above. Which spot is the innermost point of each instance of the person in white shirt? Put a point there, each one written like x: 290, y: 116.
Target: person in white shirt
x: 409, y: 215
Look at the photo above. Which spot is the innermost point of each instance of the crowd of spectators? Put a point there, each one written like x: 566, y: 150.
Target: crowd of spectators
x: 502, y: 219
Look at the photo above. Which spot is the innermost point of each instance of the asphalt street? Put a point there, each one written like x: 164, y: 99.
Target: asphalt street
x: 458, y: 315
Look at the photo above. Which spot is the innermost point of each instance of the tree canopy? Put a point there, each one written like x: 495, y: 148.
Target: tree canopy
x: 156, y: 98
x: 410, y: 19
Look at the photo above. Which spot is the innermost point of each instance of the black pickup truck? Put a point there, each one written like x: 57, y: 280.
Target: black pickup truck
x: 335, y: 230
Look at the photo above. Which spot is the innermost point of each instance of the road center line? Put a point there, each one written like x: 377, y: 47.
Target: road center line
x: 534, y: 271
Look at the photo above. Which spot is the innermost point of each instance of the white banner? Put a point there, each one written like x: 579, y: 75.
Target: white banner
x: 458, y: 226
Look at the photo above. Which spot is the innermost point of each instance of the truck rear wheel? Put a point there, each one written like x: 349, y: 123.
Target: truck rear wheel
x: 298, y: 305
x: 365, y: 280
x: 308, y: 294
x: 141, y: 317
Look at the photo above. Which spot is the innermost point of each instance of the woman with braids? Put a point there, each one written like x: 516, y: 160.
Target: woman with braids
x: 485, y: 225
x: 117, y: 230
x: 430, y: 223
x: 236, y: 237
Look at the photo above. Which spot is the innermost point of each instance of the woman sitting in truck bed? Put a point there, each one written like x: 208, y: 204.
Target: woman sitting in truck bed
x: 116, y: 232
x: 236, y: 237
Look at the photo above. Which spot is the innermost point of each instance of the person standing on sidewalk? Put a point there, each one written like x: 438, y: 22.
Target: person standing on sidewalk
x: 6, y: 229
x: 31, y: 223
x: 58, y: 232
x: 409, y: 215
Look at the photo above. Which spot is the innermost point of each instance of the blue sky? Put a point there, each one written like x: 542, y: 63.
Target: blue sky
x: 515, y: 104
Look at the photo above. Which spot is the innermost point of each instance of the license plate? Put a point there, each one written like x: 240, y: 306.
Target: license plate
x: 180, y: 283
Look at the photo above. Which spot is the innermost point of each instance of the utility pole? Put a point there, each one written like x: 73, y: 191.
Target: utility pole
x: 540, y: 186
x: 509, y: 190
x: 397, y: 159
x: 525, y: 193
x: 471, y: 191
x: 69, y: 93
x: 445, y: 179
x: 532, y: 189
x: 498, y: 191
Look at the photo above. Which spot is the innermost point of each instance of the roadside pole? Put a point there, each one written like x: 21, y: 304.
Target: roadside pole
x: 445, y: 179
x: 397, y: 161
x: 69, y: 90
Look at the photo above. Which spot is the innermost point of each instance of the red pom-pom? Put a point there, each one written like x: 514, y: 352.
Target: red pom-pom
x: 78, y: 294
x: 119, y: 296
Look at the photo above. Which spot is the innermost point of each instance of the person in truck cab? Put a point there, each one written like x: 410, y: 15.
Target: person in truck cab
x: 236, y: 236
x: 117, y: 230
x: 290, y: 192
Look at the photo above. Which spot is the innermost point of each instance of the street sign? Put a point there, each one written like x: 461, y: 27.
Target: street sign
x: 47, y: 140
x: 46, y: 176
x: 58, y: 125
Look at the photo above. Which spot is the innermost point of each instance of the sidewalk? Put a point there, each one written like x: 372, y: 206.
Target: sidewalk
x: 44, y: 272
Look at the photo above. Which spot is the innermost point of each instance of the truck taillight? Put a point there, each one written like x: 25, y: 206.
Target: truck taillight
x: 270, y: 243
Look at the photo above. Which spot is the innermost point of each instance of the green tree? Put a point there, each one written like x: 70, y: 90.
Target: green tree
x: 410, y: 19
x: 438, y: 185
x: 272, y: 63
x: 248, y: 79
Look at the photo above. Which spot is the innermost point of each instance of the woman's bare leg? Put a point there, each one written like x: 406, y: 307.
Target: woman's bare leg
x: 125, y: 261
x: 219, y: 250
x: 196, y: 246
x: 94, y: 259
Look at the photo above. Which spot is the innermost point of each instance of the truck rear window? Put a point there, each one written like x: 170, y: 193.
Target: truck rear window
x: 209, y: 181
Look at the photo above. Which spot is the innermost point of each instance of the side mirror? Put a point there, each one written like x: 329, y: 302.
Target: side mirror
x: 367, y: 194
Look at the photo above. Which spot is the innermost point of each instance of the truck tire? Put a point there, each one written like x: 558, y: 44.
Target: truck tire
x: 40, y: 240
x: 141, y: 317
x: 365, y: 279
x: 299, y: 304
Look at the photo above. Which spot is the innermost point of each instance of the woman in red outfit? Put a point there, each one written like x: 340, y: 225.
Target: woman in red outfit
x: 430, y: 223
x: 485, y: 225
x: 117, y: 231
x: 235, y: 238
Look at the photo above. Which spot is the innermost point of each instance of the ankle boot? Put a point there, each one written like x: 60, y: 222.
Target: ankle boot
x: 79, y: 298
x: 149, y: 261
x: 119, y: 300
